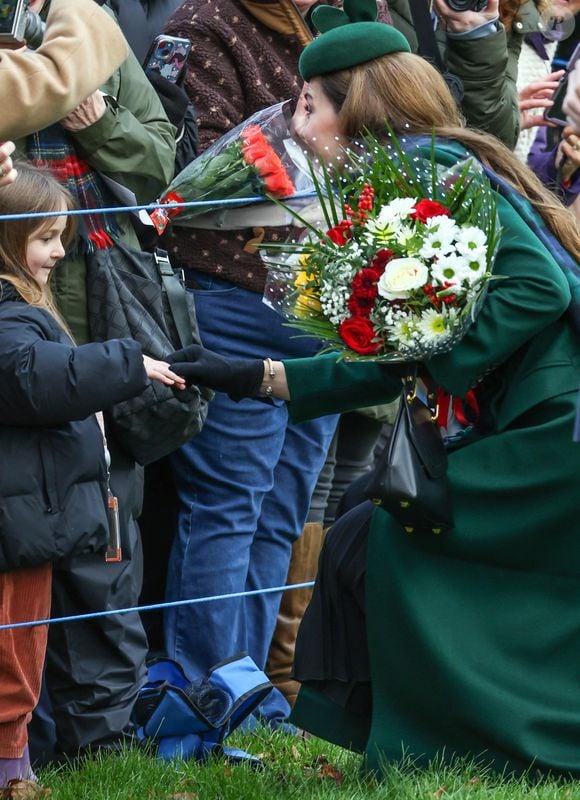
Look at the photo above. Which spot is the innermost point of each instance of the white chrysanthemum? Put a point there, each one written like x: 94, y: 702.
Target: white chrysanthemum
x: 437, y: 243
x: 403, y: 236
x: 451, y: 268
x: 470, y: 239
x: 399, y: 208
x: 476, y: 267
x: 389, y: 220
x: 403, y: 330
x: 434, y: 325
x: 445, y: 225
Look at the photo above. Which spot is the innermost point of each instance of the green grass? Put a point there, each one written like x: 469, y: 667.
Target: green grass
x: 295, y: 769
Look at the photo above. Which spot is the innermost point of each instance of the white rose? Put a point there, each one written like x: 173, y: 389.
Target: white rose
x: 401, y: 276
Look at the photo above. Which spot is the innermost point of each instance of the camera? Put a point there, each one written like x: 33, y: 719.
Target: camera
x: 466, y: 5
x: 18, y: 25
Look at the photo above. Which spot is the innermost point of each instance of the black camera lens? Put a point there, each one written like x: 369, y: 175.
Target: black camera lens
x: 467, y: 5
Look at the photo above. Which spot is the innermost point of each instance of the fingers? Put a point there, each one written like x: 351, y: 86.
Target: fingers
x: 161, y: 371
x: 7, y: 172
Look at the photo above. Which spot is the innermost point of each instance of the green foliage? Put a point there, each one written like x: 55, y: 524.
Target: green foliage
x: 295, y: 769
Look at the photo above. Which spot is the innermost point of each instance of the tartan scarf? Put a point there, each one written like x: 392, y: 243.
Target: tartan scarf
x: 53, y: 149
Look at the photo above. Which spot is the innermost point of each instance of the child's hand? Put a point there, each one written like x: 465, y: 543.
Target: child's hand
x: 161, y: 371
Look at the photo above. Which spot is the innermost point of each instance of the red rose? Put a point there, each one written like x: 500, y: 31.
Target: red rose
x: 341, y: 233
x: 425, y: 209
x: 254, y: 150
x: 381, y: 259
x: 253, y: 134
x: 358, y: 333
x: 278, y: 183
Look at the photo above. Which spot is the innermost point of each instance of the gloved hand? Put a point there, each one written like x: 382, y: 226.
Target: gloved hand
x: 237, y: 377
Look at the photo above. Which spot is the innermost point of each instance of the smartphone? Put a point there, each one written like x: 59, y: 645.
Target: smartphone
x: 556, y: 111
x: 167, y: 56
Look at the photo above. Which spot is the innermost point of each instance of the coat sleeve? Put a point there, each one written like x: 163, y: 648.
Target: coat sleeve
x: 134, y: 142
x: 324, y: 385
x: 490, y: 100
x: 44, y: 382
x: 82, y: 47
x: 530, y: 294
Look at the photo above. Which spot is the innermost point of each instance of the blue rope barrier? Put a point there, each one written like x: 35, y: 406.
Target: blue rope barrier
x: 239, y: 201
x: 154, y: 607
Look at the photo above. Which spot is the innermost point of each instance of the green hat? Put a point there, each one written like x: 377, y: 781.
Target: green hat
x: 348, y: 37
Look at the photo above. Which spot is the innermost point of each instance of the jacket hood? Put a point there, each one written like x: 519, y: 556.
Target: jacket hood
x: 8, y: 293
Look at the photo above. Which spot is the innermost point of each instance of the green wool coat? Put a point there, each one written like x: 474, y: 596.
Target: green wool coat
x: 474, y: 636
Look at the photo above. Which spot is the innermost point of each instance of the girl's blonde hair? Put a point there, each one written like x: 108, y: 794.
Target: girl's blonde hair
x: 405, y: 91
x: 33, y: 191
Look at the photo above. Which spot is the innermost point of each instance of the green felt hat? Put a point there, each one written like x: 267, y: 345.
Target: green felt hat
x: 347, y: 38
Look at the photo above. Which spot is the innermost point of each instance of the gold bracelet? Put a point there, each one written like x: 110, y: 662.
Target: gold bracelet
x: 269, y: 389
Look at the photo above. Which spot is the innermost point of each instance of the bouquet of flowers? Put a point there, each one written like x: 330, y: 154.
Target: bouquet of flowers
x: 257, y: 159
x: 399, y: 268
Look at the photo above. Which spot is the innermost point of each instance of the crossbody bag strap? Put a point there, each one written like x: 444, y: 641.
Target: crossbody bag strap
x: 176, y: 297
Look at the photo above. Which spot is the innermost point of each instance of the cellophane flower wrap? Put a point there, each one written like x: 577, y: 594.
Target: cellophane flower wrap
x: 253, y: 160
x: 401, y: 264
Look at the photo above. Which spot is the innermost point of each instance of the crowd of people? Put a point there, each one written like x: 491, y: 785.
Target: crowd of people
x: 464, y: 644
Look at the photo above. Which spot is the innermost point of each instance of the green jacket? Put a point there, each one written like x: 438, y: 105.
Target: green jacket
x: 487, y: 68
x: 134, y: 144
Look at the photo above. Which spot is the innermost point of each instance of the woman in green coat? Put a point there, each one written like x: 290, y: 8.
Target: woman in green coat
x: 466, y: 643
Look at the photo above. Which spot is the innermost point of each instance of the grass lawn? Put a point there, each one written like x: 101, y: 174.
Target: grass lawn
x: 295, y: 769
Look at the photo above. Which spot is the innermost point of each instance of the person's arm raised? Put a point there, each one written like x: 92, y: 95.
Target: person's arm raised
x: 82, y: 47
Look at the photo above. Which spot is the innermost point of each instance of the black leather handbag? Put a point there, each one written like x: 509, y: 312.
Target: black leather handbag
x: 410, y: 477
x: 138, y: 295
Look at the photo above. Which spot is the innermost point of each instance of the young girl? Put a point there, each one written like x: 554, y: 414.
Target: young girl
x: 53, y: 469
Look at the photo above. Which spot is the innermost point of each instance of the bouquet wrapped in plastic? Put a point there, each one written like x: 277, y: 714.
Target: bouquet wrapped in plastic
x: 257, y: 159
x: 403, y: 260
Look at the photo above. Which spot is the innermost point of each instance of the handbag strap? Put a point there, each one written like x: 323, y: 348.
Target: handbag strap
x: 410, y: 390
x: 176, y: 297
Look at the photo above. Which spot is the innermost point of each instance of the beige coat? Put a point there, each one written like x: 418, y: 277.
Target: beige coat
x: 82, y: 47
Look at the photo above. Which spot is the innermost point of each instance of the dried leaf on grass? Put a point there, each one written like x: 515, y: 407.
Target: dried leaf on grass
x: 183, y: 796
x: 440, y: 792
x: 23, y: 790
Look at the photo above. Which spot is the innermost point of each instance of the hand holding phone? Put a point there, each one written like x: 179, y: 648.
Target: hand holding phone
x: 556, y: 113
x: 167, y: 56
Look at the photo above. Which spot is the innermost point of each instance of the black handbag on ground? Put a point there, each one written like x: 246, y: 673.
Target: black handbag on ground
x: 138, y: 295
x: 410, y: 477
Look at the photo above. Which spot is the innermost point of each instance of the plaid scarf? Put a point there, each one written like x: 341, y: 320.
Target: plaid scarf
x: 53, y: 149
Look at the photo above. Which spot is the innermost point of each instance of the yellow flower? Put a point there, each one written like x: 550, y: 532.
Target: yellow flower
x: 303, y: 278
x: 306, y: 304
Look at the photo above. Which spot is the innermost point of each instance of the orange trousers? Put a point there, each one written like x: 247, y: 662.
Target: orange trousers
x: 24, y: 595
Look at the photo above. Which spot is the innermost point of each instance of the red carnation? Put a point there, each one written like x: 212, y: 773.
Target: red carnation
x: 425, y: 209
x: 359, y: 334
x: 364, y: 283
x: 360, y: 306
x: 381, y: 259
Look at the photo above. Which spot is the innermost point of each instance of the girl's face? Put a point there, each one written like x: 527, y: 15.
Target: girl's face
x: 44, y: 248
x: 315, y: 122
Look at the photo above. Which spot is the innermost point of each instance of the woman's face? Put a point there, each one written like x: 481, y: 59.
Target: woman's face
x: 315, y: 123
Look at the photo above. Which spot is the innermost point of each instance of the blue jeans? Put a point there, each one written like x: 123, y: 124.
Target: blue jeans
x: 244, y: 486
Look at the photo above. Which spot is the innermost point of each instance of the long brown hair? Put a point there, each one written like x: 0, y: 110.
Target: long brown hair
x: 407, y: 92
x: 33, y: 191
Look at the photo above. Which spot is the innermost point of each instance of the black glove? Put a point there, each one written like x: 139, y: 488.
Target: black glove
x: 237, y: 377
